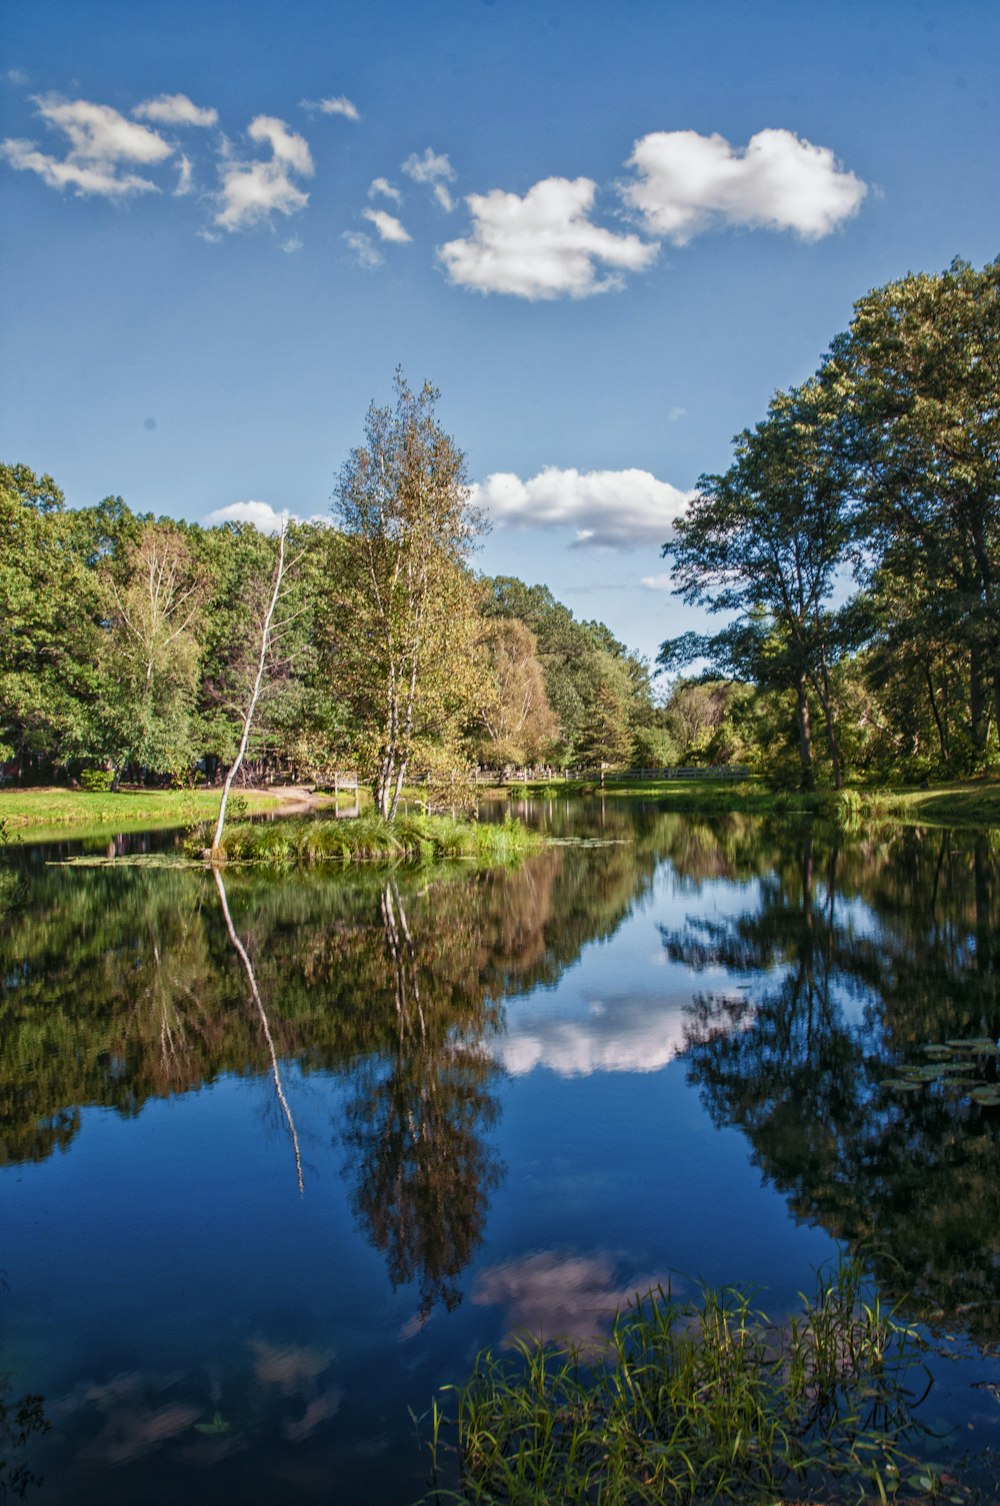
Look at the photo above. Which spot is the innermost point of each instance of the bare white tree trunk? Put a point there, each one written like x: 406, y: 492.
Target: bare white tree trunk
x: 241, y: 952
x: 265, y: 637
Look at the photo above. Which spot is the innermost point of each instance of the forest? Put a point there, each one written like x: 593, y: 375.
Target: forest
x: 852, y: 550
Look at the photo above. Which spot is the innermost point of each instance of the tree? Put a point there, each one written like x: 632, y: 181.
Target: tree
x: 917, y: 377
x: 155, y: 594
x: 516, y: 718
x: 406, y: 621
x: 768, y: 539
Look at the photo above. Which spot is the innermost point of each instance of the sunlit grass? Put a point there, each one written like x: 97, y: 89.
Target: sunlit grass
x: 694, y: 1404
x: 370, y: 839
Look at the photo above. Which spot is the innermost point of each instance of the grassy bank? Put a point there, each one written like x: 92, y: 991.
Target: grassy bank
x: 36, y: 814
x: 696, y: 1404
x: 370, y: 839
x: 961, y: 803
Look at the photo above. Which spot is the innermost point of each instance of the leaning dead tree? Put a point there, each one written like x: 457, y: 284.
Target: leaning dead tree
x: 265, y: 639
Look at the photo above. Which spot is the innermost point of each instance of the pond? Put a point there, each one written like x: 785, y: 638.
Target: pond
x: 280, y: 1156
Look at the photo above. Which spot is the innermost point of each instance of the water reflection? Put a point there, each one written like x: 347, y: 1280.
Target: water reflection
x: 856, y: 961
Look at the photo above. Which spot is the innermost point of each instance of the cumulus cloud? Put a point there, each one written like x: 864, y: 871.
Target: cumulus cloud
x: 686, y: 183
x: 261, y: 514
x: 661, y: 582
x: 252, y: 191
x: 382, y: 187
x: 387, y: 225
x: 101, y: 141
x: 366, y: 253
x: 433, y: 169
x: 292, y: 245
x: 608, y: 509
x: 341, y: 105
x: 542, y: 246
x: 175, y: 109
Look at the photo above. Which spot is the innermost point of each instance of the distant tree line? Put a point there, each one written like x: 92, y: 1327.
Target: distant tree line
x: 130, y: 645
x: 854, y: 546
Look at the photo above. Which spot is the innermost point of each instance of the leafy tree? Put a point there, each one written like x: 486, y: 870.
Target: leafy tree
x: 768, y: 540
x: 917, y: 377
x: 50, y: 625
x: 406, y: 630
x: 516, y: 718
x: 154, y: 596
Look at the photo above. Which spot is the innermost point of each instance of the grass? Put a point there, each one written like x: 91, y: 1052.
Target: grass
x: 34, y: 815
x: 697, y: 1404
x: 370, y: 839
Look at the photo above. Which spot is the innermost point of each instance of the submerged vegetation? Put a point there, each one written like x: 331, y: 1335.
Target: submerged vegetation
x: 697, y: 1403
x: 371, y: 838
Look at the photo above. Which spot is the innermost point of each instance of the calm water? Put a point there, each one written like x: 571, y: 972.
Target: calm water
x: 513, y: 1100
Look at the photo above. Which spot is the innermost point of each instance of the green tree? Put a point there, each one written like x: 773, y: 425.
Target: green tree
x: 406, y: 626
x: 516, y: 721
x: 917, y: 377
x: 768, y: 540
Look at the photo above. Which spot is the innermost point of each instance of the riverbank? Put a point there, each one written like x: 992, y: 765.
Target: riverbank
x: 969, y: 802
x: 34, y: 814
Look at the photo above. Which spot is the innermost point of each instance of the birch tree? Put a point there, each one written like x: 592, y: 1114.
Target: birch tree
x: 408, y: 630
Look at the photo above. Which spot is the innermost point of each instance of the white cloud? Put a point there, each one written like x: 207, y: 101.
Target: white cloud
x: 675, y: 414
x: 387, y: 225
x: 261, y: 514
x: 252, y: 191
x: 17, y: 77
x: 97, y: 133
x: 292, y: 245
x: 100, y: 141
x: 609, y: 509
x: 85, y: 178
x: 185, y: 184
x: 382, y: 186
x: 686, y: 183
x: 338, y: 106
x: 434, y: 169
x: 576, y: 1038
x: 175, y: 109
x: 541, y: 246
x: 366, y: 253
x: 662, y: 582
x: 430, y: 168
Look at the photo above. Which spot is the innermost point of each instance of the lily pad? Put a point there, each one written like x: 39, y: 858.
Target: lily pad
x: 980, y: 1045
x: 216, y: 1426
x: 989, y: 1096
x: 901, y: 1085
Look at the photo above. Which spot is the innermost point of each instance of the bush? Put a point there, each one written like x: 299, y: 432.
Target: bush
x: 97, y: 781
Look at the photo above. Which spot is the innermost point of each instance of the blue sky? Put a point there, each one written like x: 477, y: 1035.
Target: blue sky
x: 606, y: 232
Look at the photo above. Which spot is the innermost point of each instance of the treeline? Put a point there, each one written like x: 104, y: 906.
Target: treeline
x: 128, y: 645
x: 854, y: 544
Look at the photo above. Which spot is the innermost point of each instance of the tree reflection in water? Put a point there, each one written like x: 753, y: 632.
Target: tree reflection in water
x: 858, y: 957
x: 420, y: 1169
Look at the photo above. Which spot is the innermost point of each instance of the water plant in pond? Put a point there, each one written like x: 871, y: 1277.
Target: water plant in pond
x: 693, y: 1404
x: 371, y: 838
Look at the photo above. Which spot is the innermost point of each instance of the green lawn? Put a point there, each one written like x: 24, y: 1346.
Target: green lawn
x: 35, y: 814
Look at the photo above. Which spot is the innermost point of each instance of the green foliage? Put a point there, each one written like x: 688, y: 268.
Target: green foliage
x: 692, y: 1403
x: 96, y: 781
x: 372, y: 838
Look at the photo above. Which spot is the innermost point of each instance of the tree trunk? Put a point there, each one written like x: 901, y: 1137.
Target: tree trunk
x: 805, y: 734
x: 265, y: 637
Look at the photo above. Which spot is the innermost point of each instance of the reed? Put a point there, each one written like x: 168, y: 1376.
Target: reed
x: 369, y: 838
x: 692, y: 1404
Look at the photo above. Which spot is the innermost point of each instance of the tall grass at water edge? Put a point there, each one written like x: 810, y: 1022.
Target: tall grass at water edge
x: 369, y: 838
x: 695, y: 1404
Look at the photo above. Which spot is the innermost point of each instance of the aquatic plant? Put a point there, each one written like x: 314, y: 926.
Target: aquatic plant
x: 369, y: 838
x: 693, y: 1403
